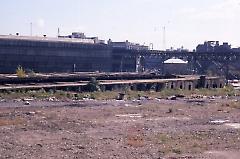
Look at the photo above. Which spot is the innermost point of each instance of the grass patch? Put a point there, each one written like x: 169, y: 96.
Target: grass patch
x: 174, y: 143
x: 98, y: 95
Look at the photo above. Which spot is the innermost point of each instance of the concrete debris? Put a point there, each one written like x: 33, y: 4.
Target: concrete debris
x: 219, y: 121
x: 180, y: 96
x: 170, y: 110
x: 143, y: 98
x: 17, y: 100
x: 130, y: 115
x: 27, y: 103
x: 2, y: 100
x: 195, y: 96
x: 52, y: 99
x: 233, y: 125
x: 126, y: 105
x: 196, y: 101
x: 28, y: 99
x: 172, y: 98
x: 31, y: 113
x: 121, y: 96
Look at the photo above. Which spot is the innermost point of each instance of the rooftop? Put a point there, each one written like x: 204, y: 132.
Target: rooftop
x: 46, y: 39
x: 175, y: 61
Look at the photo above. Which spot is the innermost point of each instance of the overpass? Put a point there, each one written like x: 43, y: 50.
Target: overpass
x: 198, y: 62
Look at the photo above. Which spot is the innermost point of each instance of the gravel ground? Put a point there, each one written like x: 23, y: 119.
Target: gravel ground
x: 148, y: 128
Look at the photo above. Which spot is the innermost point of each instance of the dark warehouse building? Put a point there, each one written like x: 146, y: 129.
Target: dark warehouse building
x: 213, y: 46
x: 43, y: 54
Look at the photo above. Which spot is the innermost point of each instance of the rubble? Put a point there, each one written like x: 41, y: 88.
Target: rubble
x: 118, y: 129
x: 219, y: 121
x: 233, y: 125
x: 180, y: 96
x: 121, y: 96
x: 28, y: 99
x: 172, y: 98
x: 30, y: 113
x: 27, y: 103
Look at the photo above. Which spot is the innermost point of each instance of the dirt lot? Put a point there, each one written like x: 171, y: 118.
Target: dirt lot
x: 148, y: 128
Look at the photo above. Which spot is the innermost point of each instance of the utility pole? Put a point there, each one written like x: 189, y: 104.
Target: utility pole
x: 31, y: 29
x: 58, y: 32
x: 151, y: 46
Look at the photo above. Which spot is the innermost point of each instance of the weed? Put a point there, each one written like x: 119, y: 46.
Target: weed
x: 92, y: 96
x: 130, y: 95
x: 20, y: 72
x: 93, y: 85
x: 163, y: 138
x: 177, y: 151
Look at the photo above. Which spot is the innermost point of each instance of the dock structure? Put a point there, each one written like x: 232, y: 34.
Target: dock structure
x: 108, y: 82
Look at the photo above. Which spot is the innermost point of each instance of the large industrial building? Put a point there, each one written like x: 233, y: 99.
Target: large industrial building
x: 70, y: 53
x: 62, y: 54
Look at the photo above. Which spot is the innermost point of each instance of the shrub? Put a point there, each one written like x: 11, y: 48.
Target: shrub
x: 31, y: 73
x: 20, y: 72
x: 93, y: 85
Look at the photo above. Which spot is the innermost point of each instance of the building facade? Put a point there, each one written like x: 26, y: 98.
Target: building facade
x: 127, y: 45
x: 175, y: 66
x: 43, y: 54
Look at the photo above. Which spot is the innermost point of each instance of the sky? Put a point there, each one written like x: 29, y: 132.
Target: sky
x: 187, y: 22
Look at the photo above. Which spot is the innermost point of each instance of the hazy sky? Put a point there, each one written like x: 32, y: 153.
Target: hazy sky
x: 188, y: 22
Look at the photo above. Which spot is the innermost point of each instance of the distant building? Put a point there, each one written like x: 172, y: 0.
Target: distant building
x: 175, y: 66
x: 79, y: 35
x: 127, y: 45
x: 236, y: 49
x: 213, y: 46
x: 182, y: 49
